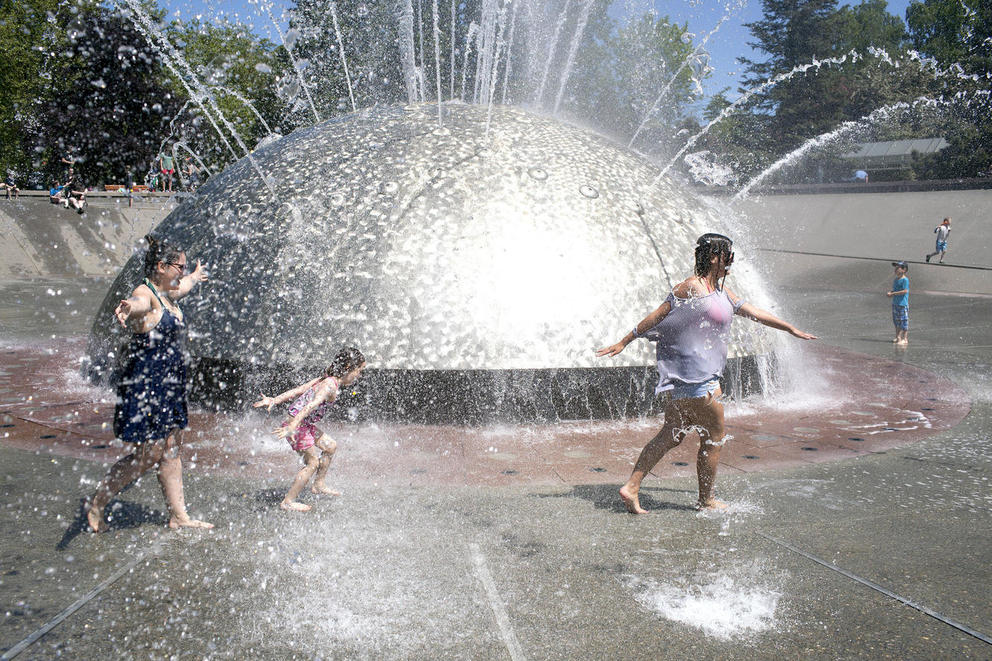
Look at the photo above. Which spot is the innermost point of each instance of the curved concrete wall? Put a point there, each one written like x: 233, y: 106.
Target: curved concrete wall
x: 855, y: 236
x: 42, y: 240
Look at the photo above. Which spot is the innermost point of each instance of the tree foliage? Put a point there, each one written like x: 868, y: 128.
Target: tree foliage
x: 879, y: 83
x: 632, y: 80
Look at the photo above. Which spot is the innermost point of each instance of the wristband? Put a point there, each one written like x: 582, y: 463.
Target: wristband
x: 635, y: 333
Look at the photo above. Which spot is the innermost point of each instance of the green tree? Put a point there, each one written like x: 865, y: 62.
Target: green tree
x: 630, y: 79
x: 28, y: 38
x: 369, y: 37
x: 240, y: 72
x: 953, y: 32
x: 105, y: 98
x: 958, y: 35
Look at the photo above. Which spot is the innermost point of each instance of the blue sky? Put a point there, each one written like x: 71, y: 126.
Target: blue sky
x: 700, y: 15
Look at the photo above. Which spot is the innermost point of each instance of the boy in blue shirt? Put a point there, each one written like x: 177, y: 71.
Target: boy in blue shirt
x: 900, y: 303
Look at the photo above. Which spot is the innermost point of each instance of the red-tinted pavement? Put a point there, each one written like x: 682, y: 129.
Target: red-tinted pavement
x: 875, y: 404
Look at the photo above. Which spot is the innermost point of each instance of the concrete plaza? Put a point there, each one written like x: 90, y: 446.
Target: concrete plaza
x: 882, y: 554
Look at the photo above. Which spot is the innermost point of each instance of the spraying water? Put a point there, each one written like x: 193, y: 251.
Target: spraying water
x: 407, y: 55
x: 288, y: 45
x: 344, y: 61
x: 580, y: 28
x: 552, y: 46
x: 664, y: 91
x: 802, y: 68
x: 509, y: 50
x: 437, y: 58
x: 470, y: 33
x: 248, y: 104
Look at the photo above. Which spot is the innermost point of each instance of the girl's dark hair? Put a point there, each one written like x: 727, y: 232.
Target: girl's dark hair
x: 159, y: 251
x: 710, y: 244
x: 346, y: 360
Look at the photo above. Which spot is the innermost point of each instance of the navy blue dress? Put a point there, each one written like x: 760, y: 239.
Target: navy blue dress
x: 151, y: 395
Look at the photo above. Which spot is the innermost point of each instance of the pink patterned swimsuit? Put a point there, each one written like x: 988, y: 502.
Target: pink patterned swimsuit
x: 307, y: 433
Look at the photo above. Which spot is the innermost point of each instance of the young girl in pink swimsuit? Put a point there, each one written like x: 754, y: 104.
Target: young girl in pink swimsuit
x: 310, y: 403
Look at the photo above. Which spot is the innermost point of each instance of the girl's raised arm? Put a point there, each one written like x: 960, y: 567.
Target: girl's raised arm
x: 328, y: 391
x: 642, y: 327
x: 269, y: 402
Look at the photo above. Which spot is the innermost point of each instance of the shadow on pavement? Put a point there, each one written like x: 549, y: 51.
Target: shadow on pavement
x: 605, y: 497
x: 120, y: 515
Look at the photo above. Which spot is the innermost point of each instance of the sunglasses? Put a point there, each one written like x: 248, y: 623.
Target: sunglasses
x: 180, y: 267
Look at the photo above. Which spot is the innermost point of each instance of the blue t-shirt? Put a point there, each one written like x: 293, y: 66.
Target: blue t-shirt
x: 898, y: 285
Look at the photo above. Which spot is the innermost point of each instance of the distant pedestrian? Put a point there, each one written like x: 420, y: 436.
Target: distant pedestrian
x: 168, y: 168
x: 74, y: 194
x: 861, y: 176
x: 942, y: 231
x: 192, y: 174
x: 900, y: 303
x: 55, y: 193
x: 69, y: 160
x: 10, y: 187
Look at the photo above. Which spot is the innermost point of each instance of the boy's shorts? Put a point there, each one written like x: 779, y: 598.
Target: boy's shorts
x: 942, y: 246
x: 900, y: 316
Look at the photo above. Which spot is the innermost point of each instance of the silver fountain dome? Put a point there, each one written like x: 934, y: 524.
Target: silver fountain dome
x: 477, y: 263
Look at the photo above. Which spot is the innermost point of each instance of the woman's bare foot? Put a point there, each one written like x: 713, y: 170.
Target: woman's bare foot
x: 903, y: 342
x: 324, y: 489
x: 294, y: 506
x: 711, y: 504
x: 176, y: 523
x: 631, y: 501
x: 94, y: 517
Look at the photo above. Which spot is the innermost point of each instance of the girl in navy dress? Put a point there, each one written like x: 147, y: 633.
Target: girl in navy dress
x: 151, y: 406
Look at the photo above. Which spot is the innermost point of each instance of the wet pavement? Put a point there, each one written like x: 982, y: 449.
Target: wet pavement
x: 877, y: 551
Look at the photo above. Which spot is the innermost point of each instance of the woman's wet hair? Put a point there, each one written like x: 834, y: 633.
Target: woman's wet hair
x: 159, y: 251
x: 707, y: 246
x: 346, y: 360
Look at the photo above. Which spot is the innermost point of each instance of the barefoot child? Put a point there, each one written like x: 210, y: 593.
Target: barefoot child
x: 311, y: 402
x: 900, y: 303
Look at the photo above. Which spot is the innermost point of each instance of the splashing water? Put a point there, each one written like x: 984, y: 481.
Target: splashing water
x: 720, y: 604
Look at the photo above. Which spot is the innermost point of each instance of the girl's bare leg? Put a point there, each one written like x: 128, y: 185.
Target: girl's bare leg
x: 170, y: 477
x: 312, y: 460
x: 327, y: 447
x: 124, y: 472
x: 669, y: 437
x: 709, y: 415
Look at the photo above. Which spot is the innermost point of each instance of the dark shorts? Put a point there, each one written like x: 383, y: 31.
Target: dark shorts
x: 900, y: 316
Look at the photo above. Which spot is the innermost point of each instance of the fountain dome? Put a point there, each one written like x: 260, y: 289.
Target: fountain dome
x: 477, y: 263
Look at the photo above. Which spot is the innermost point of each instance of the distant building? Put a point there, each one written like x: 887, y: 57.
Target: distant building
x: 892, y: 154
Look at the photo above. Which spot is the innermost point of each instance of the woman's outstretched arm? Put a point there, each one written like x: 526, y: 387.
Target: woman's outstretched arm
x: 188, y: 281
x: 766, y: 318
x: 642, y: 327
